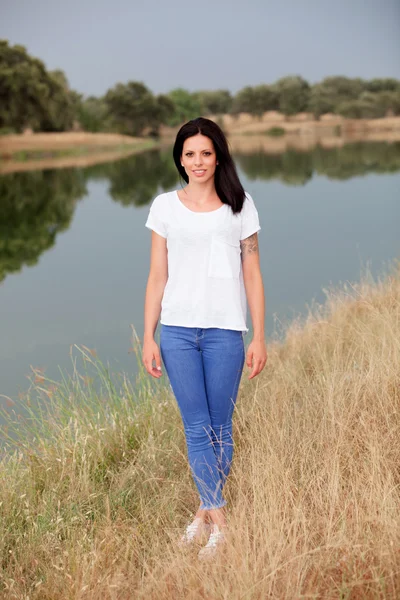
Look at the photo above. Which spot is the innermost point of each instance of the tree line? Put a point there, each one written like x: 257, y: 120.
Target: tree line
x: 33, y: 97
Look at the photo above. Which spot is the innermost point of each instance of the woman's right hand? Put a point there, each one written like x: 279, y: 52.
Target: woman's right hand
x: 150, y: 353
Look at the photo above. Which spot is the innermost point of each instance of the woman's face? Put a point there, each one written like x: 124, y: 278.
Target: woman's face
x: 199, y: 158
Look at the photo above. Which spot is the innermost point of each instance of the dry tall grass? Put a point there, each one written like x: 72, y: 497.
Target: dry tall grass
x: 93, y: 507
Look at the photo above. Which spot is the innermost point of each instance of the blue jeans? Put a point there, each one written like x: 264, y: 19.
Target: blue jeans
x: 204, y: 367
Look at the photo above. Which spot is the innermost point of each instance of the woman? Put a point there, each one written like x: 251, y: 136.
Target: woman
x: 204, y: 265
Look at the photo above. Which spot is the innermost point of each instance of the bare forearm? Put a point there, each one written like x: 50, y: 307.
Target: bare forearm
x: 152, y: 305
x: 256, y: 301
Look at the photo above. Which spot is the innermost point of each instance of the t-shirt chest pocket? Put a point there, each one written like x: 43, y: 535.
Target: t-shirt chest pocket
x: 224, y: 258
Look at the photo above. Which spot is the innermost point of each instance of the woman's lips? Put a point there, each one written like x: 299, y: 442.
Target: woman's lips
x: 200, y: 173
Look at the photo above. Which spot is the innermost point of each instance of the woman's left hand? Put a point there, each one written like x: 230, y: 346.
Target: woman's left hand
x: 256, y: 357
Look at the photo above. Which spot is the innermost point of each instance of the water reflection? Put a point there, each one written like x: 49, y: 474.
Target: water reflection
x: 88, y: 286
x: 35, y: 206
x: 296, y: 168
x: 136, y: 179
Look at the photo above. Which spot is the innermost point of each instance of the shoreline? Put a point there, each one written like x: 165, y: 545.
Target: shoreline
x: 272, y: 132
x: 68, y: 142
x: 64, y: 161
x: 301, y: 124
x: 241, y: 144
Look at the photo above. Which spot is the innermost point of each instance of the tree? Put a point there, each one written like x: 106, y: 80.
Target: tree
x: 331, y: 92
x: 256, y: 100
x: 186, y: 106
x: 385, y: 103
x: 163, y: 110
x: 371, y: 106
x: 354, y: 109
x: 31, y: 96
x: 266, y: 98
x: 293, y: 93
x: 92, y: 114
x: 321, y: 100
x: 131, y: 107
x: 383, y: 85
x: 214, y: 102
x: 244, y: 101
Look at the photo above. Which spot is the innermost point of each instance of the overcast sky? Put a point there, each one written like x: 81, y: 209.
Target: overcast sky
x: 205, y: 44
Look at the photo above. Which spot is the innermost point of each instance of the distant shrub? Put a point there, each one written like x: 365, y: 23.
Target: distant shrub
x: 7, y: 131
x: 275, y: 131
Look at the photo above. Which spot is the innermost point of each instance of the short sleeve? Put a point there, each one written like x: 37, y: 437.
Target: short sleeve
x: 155, y: 219
x: 250, y: 219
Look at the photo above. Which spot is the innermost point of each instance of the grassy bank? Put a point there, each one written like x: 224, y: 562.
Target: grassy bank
x: 69, y: 161
x: 94, y: 498
x: 37, y: 146
x: 23, y: 155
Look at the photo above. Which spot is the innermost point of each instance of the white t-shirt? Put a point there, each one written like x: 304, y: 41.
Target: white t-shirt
x: 205, y: 285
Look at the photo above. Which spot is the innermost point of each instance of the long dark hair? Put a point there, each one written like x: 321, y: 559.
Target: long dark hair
x: 227, y: 183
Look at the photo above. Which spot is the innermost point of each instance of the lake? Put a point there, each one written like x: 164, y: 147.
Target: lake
x: 74, y: 251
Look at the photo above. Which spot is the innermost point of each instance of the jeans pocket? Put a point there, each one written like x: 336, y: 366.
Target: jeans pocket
x: 224, y: 261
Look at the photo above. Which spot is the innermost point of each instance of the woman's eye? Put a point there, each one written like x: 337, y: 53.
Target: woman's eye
x: 190, y: 153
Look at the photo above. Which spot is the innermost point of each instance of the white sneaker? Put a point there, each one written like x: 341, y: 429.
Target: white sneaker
x: 195, y: 530
x: 216, y: 539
